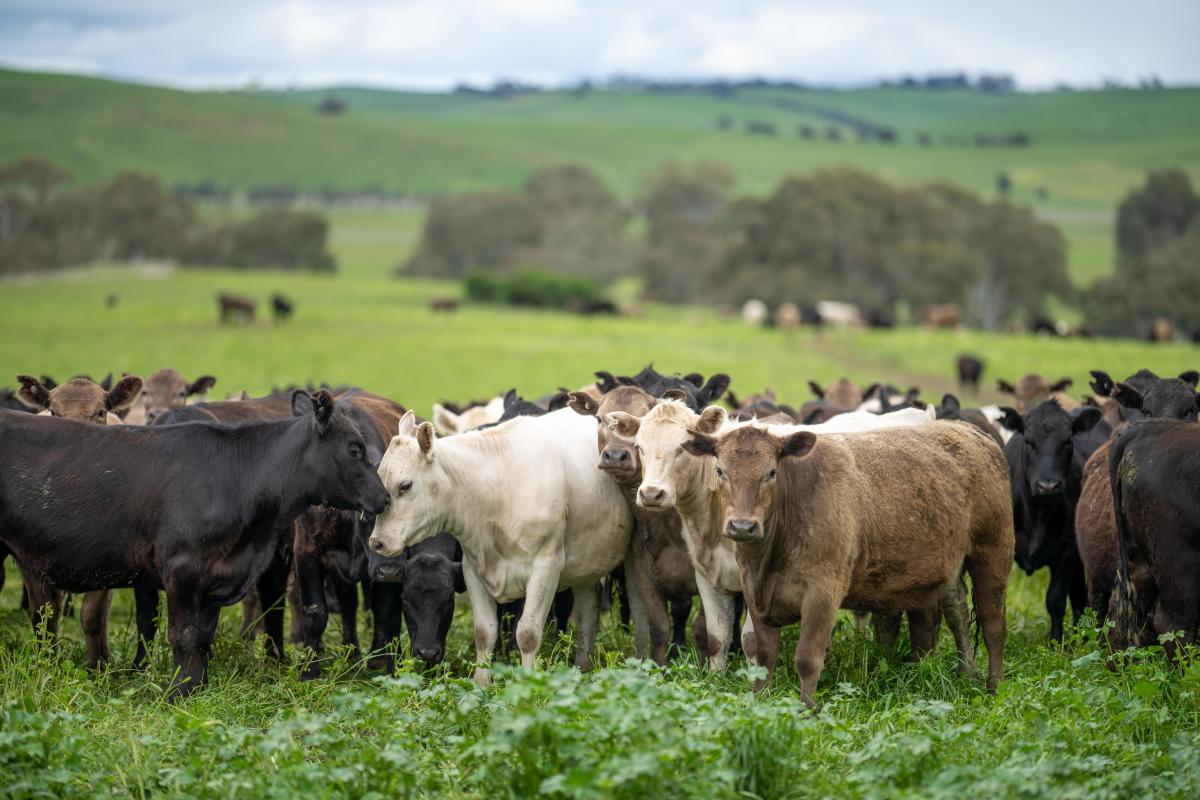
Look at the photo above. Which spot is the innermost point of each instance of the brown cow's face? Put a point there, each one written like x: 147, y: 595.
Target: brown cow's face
x: 166, y: 390
x: 79, y: 399
x: 746, y: 462
x: 1031, y: 390
x: 618, y: 454
x: 659, y: 437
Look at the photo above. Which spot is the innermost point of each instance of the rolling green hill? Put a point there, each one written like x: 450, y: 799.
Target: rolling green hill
x: 1088, y: 147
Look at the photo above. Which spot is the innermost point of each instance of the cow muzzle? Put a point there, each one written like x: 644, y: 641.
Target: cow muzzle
x: 385, y: 570
x: 743, y: 529
x: 431, y: 654
x: 653, y: 497
x: 1048, y: 488
x: 380, y: 548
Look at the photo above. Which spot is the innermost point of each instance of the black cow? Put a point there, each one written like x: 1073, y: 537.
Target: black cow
x: 951, y: 409
x: 1045, y: 462
x: 281, y: 308
x: 1167, y: 398
x: 196, y: 509
x: 1154, y: 467
x: 692, y: 388
x: 970, y: 370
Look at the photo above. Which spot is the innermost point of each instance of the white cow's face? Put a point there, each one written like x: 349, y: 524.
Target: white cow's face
x: 418, y: 490
x: 660, y: 437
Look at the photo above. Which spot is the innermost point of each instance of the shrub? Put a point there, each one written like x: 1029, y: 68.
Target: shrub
x: 532, y: 287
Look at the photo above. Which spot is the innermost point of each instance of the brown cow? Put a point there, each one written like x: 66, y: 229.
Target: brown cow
x: 163, y: 391
x: 663, y: 569
x: 235, y: 308
x: 843, y: 392
x: 807, y: 542
x: 1033, y: 389
x: 82, y: 400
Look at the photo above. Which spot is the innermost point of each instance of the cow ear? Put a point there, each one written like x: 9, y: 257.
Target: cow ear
x: 711, y: 419
x: 201, y: 385
x: 445, y: 419
x: 605, y: 381
x: 582, y: 403
x: 408, y: 424
x: 456, y: 570
x: 322, y: 404
x: 106, y: 384
x: 674, y: 394
x: 624, y: 425
x: 732, y: 401
x: 871, y: 391
x: 695, y: 379
x: 700, y: 444
x: 1085, y: 419
x: 1101, y: 383
x: 1005, y: 387
x: 950, y: 404
x: 1191, y: 377
x: 301, y: 403
x: 1062, y: 385
x: 32, y: 393
x: 625, y: 380
x: 425, y: 437
x: 559, y: 400
x: 817, y: 390
x: 715, y: 387
x: 769, y: 394
x: 121, y: 396
x: 510, y: 398
x: 797, y: 445
x: 1011, y: 420
x: 1127, y: 396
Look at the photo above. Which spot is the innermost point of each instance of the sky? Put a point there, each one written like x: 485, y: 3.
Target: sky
x: 435, y: 44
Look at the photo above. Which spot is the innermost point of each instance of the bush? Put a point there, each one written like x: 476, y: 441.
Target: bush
x: 278, y: 238
x: 532, y: 287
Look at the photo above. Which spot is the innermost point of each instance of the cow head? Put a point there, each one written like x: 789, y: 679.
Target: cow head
x: 430, y: 582
x: 418, y: 488
x: 746, y: 462
x: 79, y: 399
x: 450, y: 422
x: 338, y: 461
x: 659, y: 436
x: 167, y: 389
x: 618, y: 454
x: 1167, y: 398
x: 1031, y: 390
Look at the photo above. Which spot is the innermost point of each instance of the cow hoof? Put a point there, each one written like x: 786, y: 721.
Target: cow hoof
x: 483, y: 677
x: 380, y: 663
x: 310, y: 674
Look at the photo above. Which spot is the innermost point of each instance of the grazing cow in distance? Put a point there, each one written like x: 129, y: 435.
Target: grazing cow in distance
x: 446, y: 305
x: 282, y: 308
x: 163, y: 391
x: 528, y: 506
x: 197, y: 510
x: 882, y: 521
x: 754, y: 313
x: 235, y: 308
x: 1034, y: 389
x: 1045, y: 458
x: 1154, y: 468
x: 970, y: 370
x: 787, y: 316
x: 942, y: 316
x: 1162, y: 330
x: 842, y: 315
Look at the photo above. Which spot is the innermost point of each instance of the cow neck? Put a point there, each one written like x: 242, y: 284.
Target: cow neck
x: 467, y: 463
x: 276, y: 472
x: 699, y: 503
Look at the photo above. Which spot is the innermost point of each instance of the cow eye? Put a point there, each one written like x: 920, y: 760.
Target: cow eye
x: 403, y: 487
x: 356, y: 451
x: 720, y: 472
x: 771, y: 475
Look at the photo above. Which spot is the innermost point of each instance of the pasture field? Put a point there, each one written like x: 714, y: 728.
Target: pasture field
x: 1061, y: 724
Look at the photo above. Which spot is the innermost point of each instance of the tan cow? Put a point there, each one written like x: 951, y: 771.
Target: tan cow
x: 881, y: 521
x: 1034, y: 389
x: 163, y: 391
x: 82, y: 400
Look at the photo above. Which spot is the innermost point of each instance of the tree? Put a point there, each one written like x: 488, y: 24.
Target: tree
x: 480, y: 230
x: 582, y: 223
x: 37, y: 173
x: 141, y: 220
x: 1152, y: 216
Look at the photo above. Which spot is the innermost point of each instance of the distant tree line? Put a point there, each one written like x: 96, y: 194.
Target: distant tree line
x: 44, y: 226
x: 287, y: 194
x: 833, y: 235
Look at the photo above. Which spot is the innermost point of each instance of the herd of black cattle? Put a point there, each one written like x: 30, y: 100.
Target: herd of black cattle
x: 271, y: 499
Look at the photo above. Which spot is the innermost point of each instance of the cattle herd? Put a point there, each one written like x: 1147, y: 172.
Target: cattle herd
x: 773, y: 515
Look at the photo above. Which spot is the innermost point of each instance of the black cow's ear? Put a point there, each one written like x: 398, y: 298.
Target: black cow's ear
x: 1101, y: 383
x: 872, y: 390
x: 700, y: 444
x: 715, y: 387
x: 202, y: 384
x: 731, y: 400
x: 605, y: 381
x: 950, y: 404
x: 322, y: 405
x: 511, y: 398
x: 32, y: 393
x: 1085, y: 419
x: 559, y: 400
x: 1127, y: 396
x: 816, y: 389
x: 1005, y: 387
x: 1191, y: 377
x: 797, y: 445
x: 121, y: 396
x: 106, y: 384
x: 1062, y: 385
x: 460, y: 584
x: 1011, y: 420
x: 301, y: 403
x: 625, y: 380
x: 583, y: 403
x: 695, y: 379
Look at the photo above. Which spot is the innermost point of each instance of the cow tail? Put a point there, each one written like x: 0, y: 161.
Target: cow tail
x: 1124, y: 592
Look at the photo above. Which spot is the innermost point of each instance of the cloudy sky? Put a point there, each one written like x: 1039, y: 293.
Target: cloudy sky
x: 431, y: 44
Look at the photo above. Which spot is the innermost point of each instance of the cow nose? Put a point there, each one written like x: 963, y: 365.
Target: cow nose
x: 739, y: 529
x: 615, y: 458
x: 1049, y: 487
x: 430, y: 655
x: 651, y: 495
x: 376, y: 545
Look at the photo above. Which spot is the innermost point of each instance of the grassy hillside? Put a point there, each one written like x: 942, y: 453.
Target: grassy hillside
x: 1088, y: 147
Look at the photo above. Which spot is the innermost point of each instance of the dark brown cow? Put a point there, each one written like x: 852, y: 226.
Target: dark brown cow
x: 970, y: 370
x: 235, y: 308
x: 809, y: 542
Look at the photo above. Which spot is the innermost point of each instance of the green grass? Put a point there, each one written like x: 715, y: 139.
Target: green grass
x: 1089, y: 147
x: 1062, y: 725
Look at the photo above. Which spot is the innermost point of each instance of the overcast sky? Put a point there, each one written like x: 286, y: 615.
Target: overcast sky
x: 432, y: 44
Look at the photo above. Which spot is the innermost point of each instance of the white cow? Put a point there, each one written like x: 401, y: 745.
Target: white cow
x: 754, y: 312
x: 448, y: 422
x: 672, y: 478
x: 528, y: 506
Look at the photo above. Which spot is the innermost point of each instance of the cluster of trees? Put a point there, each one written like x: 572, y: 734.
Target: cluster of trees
x: 1158, y: 250
x: 45, y: 226
x: 999, y: 83
x: 837, y: 235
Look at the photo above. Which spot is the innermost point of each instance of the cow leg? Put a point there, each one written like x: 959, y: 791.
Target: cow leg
x: 539, y: 596
x: 650, y: 610
x: 621, y: 584
x: 146, y: 601
x: 861, y: 618
x: 989, y: 568
x: 700, y: 633
x: 1056, y: 598
x: 587, y: 621
x: 680, y: 611
x: 887, y: 629
x: 735, y: 635
x: 386, y: 615
x: 191, y: 624
x: 347, y: 597
x: 251, y: 614
x: 718, y: 617
x: 272, y: 586
x: 483, y: 614
x: 922, y: 631
x: 1078, y: 593
x: 311, y: 580
x: 1178, y: 601
x: 958, y: 619
x: 295, y: 607
x: 45, y: 604
x: 747, y: 636
x: 94, y: 621
x: 818, y: 612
